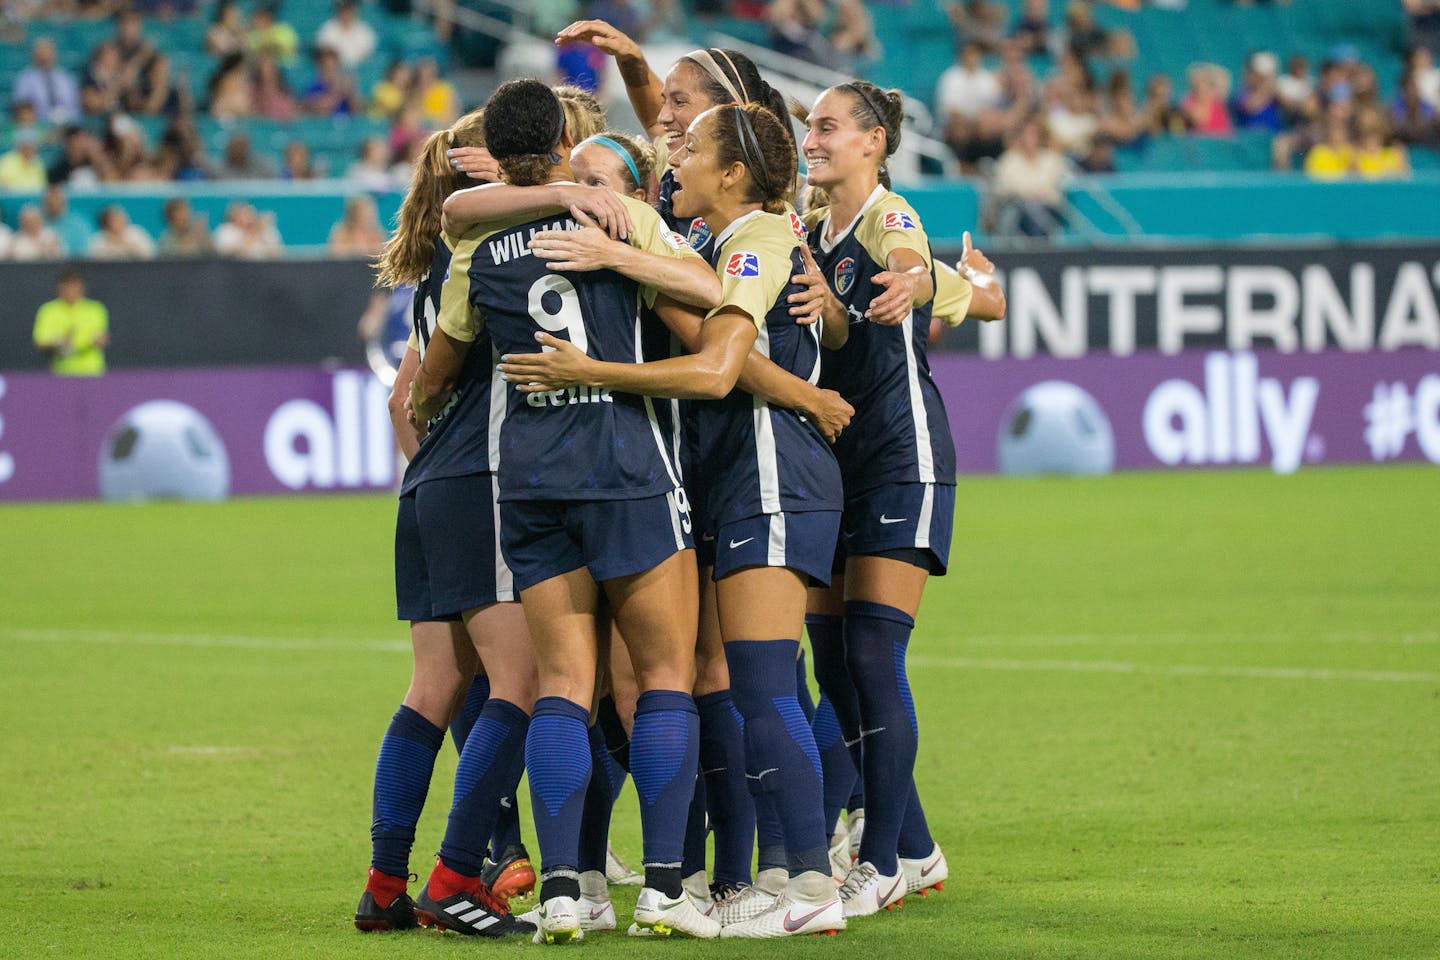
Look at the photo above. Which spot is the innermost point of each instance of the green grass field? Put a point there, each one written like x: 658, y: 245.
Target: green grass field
x: 1180, y: 715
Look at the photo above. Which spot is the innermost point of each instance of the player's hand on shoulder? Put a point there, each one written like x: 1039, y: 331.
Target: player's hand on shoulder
x: 599, y: 206
x: 475, y: 162
x: 895, y: 305
x: 808, y: 305
x: 588, y: 248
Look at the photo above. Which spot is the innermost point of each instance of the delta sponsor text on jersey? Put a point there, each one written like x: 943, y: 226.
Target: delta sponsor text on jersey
x: 1290, y: 300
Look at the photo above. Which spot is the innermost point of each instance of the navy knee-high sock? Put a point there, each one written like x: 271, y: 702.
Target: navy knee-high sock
x: 402, y: 779
x: 697, y: 831
x: 876, y: 637
x: 838, y: 772
x: 605, y: 780
x: 617, y: 741
x: 664, y: 758
x: 722, y: 764
x: 802, y: 688
x: 780, y: 755
x: 507, y: 826
x: 489, y: 769
x: 475, y: 696
x: 827, y: 642
x: 915, y: 842
x: 557, y: 761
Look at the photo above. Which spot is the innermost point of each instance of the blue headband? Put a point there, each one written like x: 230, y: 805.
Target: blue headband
x: 620, y: 150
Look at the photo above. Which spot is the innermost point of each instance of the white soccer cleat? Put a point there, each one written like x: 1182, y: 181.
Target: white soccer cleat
x: 867, y: 891
x: 736, y: 905
x: 855, y: 820
x: 790, y: 918
x: 596, y: 911
x: 618, y: 872
x: 926, y: 874
x: 557, y: 920
x: 656, y: 915
x: 840, y: 853
x: 697, y: 888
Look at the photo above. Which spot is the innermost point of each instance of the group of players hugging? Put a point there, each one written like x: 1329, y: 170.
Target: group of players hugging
x: 660, y: 417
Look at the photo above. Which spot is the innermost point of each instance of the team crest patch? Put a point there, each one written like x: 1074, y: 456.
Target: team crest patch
x: 797, y: 226
x: 896, y: 220
x: 742, y: 265
x: 699, y: 234
x: 844, y: 275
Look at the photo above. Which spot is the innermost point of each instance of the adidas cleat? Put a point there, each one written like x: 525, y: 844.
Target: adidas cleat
x: 370, y: 917
x: 736, y: 904
x: 924, y: 875
x: 618, y: 872
x: 471, y: 912
x: 512, y: 876
x: 658, y: 916
x: 557, y: 920
x: 790, y: 918
x: 866, y: 891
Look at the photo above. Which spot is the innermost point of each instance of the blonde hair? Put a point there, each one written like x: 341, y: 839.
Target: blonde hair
x: 642, y: 154
x: 409, y: 252
x: 583, y: 112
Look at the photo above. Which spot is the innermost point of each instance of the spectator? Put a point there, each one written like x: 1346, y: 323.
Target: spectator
x: 22, y: 117
x: 1296, y: 89
x: 350, y: 37
x: 390, y: 94
x: 21, y: 169
x: 580, y: 65
x: 240, y: 161
x: 1069, y: 117
x: 182, y: 155
x: 104, y: 83
x: 246, y: 235
x: 1424, y: 16
x: 73, y: 230
x: 1027, y: 184
x: 1161, y: 115
x: 229, y: 90
x: 964, y: 91
x: 185, y: 234
x: 1414, y: 118
x: 332, y: 92
x: 852, y: 36
x: 50, y: 87
x: 371, y: 169
x: 795, y: 28
x: 1377, y: 155
x: 1204, y: 103
x: 981, y: 22
x: 33, y: 240
x: 620, y: 14
x: 270, y: 94
x: 119, y: 239
x: 1256, y: 105
x: 296, y: 163
x: 227, y: 32
x: 272, y: 36
x: 155, y: 95
x: 409, y: 129
x: 82, y: 162
x: 1122, y: 121
x: 1334, y: 157
x: 439, y: 104
x: 134, y: 47
x: 1420, y: 63
x: 358, y: 234
x: 71, y: 331
x: 1100, y: 158
x: 1086, y: 38
x: 1032, y: 33
x: 127, y: 151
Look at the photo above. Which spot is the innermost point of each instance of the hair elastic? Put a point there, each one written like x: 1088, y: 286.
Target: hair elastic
x: 620, y: 151
x: 707, y: 63
x: 755, y: 161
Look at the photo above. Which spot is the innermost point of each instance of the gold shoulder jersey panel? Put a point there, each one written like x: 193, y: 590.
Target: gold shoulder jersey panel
x: 889, y: 225
x: 652, y: 235
x: 755, y: 266
x: 458, y: 316
x: 952, y: 295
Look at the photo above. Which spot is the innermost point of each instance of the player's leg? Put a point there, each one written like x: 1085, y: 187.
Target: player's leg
x: 837, y: 720
x: 615, y: 717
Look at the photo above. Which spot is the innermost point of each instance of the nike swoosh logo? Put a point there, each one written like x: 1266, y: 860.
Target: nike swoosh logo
x: 597, y: 914
x: 929, y: 868
x: 708, y: 537
x: 505, y: 802
x: 761, y: 775
x: 886, y: 520
x: 669, y: 904
x: 881, y: 899
x: 792, y: 924
x: 740, y: 543
x: 706, y: 773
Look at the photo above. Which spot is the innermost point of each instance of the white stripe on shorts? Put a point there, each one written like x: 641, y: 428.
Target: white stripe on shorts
x: 504, y: 579
x: 776, y: 557
x: 672, y: 499
x: 927, y: 509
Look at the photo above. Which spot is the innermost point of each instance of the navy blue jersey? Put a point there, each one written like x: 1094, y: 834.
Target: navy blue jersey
x: 696, y: 232
x: 759, y: 459
x: 582, y: 443
x: 900, y: 433
x: 462, y: 435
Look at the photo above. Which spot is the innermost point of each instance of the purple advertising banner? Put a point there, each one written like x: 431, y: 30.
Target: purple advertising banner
x: 267, y: 430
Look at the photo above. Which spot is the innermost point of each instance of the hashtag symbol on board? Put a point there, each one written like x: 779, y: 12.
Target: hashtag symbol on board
x: 1389, y: 420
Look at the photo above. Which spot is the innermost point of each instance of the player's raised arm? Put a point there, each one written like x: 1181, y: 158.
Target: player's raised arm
x: 642, y: 85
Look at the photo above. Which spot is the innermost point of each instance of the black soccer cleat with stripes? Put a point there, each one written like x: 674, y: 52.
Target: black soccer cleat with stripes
x: 373, y: 918
x: 471, y: 912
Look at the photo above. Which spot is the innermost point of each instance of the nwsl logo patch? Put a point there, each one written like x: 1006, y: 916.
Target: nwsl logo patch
x: 797, y: 226
x: 699, y: 234
x: 674, y: 239
x: 742, y: 265
x: 844, y: 275
x: 895, y: 220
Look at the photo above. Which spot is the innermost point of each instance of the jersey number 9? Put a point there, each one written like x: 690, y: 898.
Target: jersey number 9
x: 555, y: 306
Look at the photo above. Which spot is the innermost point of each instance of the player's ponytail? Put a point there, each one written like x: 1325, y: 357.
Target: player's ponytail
x: 584, y: 114
x: 525, y: 125
x: 409, y: 252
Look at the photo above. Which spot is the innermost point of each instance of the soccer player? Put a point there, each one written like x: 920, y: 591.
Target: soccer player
x: 775, y: 486
x: 898, y: 463
x: 454, y: 587
x: 590, y: 502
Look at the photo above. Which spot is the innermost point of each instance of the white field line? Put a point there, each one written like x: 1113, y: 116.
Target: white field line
x: 1174, y: 670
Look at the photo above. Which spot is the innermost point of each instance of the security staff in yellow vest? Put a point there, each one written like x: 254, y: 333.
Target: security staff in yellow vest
x: 73, y: 331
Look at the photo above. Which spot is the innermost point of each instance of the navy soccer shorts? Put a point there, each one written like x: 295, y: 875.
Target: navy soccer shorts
x: 908, y: 521
x: 447, y: 549
x: 803, y: 542
x: 542, y: 539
